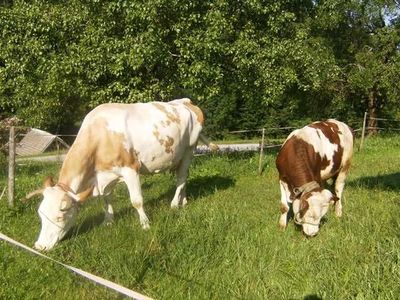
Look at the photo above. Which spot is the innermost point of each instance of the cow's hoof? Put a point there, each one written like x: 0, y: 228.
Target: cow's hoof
x: 338, y: 211
x: 108, y: 222
x: 146, y: 226
x: 282, y: 226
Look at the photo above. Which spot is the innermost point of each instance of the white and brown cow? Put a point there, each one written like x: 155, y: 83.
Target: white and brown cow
x: 117, y: 142
x: 310, y: 156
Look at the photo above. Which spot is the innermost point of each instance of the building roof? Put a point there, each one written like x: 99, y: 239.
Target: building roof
x: 37, y: 141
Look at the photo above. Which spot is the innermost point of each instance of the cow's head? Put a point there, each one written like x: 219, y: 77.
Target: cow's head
x: 57, y: 211
x: 310, y: 208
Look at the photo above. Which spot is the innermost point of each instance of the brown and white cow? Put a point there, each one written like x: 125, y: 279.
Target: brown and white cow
x: 117, y: 142
x: 310, y: 156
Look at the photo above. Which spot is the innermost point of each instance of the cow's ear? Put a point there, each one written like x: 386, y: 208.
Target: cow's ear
x: 66, y: 204
x: 303, y: 207
x: 85, y: 194
x: 48, y: 182
x: 328, y: 196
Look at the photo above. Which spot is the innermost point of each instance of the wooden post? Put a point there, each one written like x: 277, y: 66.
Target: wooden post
x: 363, y: 131
x: 260, y: 162
x: 11, y: 167
x: 58, y: 149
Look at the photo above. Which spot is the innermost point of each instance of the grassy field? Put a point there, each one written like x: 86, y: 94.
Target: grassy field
x: 225, y: 244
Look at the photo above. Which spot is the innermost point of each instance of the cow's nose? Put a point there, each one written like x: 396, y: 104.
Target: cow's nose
x: 310, y: 235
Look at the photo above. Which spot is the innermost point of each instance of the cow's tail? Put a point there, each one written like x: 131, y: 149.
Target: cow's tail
x: 206, y: 141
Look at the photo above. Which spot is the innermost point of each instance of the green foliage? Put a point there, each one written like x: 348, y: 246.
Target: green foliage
x: 247, y: 64
x: 3, y: 163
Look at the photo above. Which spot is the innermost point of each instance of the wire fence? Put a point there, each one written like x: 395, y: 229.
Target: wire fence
x: 262, y: 140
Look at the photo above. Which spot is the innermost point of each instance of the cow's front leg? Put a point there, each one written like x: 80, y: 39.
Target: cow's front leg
x: 131, y: 178
x: 108, y: 210
x: 182, y: 173
x: 284, y: 206
x: 339, y: 186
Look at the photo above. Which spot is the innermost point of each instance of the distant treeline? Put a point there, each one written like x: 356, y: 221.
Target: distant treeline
x: 248, y: 63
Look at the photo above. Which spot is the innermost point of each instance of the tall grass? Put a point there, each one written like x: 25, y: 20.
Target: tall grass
x: 225, y: 244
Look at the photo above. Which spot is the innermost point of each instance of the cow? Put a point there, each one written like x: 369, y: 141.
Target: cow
x: 307, y: 159
x: 118, y: 142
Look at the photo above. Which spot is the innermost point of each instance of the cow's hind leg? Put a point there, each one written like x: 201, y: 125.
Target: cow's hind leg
x: 131, y: 178
x: 182, y: 173
x: 284, y: 206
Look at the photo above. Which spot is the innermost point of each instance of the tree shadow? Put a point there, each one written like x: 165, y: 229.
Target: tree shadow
x: 230, y: 156
x: 383, y: 182
x: 86, y: 226
x: 312, y: 297
x: 196, y: 188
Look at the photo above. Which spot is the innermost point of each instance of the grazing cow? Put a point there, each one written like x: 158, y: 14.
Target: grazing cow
x: 310, y: 156
x: 117, y: 142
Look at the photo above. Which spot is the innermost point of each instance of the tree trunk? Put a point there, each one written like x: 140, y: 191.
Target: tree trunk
x: 372, y: 112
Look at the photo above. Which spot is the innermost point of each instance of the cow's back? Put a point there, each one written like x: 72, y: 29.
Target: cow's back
x: 315, y: 152
x: 157, y: 133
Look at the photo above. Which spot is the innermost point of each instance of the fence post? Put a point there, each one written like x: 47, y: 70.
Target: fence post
x: 363, y: 131
x: 11, y: 167
x: 261, y: 152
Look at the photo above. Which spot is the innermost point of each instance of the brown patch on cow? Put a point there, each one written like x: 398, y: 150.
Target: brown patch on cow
x: 283, y: 208
x: 325, y: 162
x: 167, y: 142
x: 171, y: 116
x: 96, y: 149
x: 298, y: 164
x: 304, y: 205
x: 85, y: 194
x: 156, y: 133
x: 346, y: 166
x: 196, y: 110
x: 166, y: 123
x: 331, y: 131
x: 337, y: 160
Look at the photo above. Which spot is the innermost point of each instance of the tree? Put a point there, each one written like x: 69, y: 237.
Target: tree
x: 365, y: 39
x: 248, y: 63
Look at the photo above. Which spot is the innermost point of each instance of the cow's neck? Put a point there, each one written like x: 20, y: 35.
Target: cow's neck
x: 77, y: 171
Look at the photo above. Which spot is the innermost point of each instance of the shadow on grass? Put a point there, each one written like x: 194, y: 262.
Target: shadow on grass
x: 312, y: 297
x: 383, y: 182
x: 197, y: 187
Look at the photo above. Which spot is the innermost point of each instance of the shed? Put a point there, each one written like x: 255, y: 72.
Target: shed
x: 37, y: 141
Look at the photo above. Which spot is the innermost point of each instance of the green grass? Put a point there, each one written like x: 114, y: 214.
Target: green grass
x: 225, y: 244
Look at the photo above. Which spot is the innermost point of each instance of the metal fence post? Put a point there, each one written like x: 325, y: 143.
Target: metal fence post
x: 11, y: 167
x: 261, y: 152
x: 363, y: 131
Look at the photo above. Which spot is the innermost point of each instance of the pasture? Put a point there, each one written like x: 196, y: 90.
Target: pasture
x: 225, y: 244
